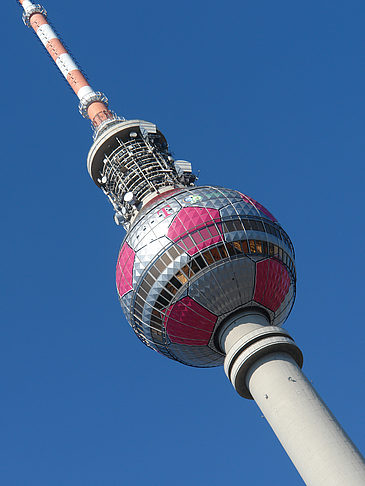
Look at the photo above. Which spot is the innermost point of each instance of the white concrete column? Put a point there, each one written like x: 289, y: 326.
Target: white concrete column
x: 313, y: 439
x: 263, y: 363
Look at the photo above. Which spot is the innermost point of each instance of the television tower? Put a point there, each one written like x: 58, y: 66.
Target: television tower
x: 206, y: 276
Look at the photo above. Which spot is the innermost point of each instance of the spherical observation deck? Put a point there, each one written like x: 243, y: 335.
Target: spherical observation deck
x: 195, y: 256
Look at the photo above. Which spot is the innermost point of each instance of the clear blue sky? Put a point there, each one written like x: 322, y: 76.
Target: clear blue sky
x: 264, y: 97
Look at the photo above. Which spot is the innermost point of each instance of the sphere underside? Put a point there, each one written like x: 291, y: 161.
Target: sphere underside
x: 193, y: 257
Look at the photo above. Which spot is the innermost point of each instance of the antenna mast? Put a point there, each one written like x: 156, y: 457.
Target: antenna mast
x: 93, y: 104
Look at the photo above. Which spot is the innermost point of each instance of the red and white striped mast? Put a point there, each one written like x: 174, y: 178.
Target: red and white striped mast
x: 93, y: 104
x: 147, y: 173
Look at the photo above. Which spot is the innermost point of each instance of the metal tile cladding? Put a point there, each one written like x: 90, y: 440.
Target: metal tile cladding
x: 195, y: 255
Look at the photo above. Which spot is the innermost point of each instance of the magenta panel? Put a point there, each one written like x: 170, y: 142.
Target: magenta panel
x: 188, y: 221
x: 214, y: 230
x: 259, y: 206
x: 124, y: 273
x: 191, y: 218
x: 187, y: 322
x: 198, y: 238
x: 187, y: 243
x: 206, y: 234
x: 272, y: 283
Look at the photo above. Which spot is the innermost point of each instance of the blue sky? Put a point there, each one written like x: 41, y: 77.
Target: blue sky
x: 264, y: 97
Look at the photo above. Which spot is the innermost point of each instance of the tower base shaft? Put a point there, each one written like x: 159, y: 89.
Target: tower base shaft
x: 317, y: 445
x: 263, y: 363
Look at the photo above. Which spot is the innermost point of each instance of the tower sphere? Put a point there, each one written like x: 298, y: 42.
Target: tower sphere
x: 193, y: 257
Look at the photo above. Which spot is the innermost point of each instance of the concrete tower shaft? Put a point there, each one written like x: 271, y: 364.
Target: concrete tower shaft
x: 263, y: 363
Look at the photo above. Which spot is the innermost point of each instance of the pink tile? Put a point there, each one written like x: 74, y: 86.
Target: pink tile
x: 272, y: 283
x: 187, y: 322
x: 193, y: 218
x: 206, y: 234
x: 124, y: 272
x: 213, y: 230
x: 187, y: 243
x: 197, y: 237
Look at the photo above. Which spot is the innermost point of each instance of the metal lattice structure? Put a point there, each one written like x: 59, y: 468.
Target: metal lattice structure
x: 132, y: 164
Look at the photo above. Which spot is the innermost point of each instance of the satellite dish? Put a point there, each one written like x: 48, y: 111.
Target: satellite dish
x: 129, y: 197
